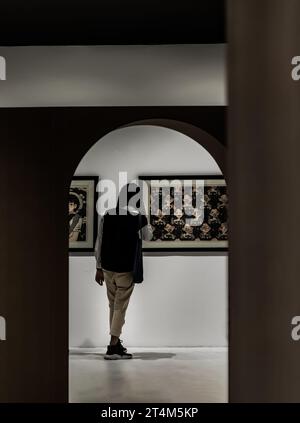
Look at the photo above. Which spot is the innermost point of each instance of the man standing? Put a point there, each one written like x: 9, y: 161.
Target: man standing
x: 115, y: 252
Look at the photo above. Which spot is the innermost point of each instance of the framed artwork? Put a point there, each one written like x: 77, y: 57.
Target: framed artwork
x: 82, y: 213
x: 186, y: 212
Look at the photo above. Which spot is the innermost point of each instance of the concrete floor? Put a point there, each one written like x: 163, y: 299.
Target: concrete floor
x: 153, y: 375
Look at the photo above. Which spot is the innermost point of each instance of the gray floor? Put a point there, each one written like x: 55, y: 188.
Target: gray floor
x: 153, y: 375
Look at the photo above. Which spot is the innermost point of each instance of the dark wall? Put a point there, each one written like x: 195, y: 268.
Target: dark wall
x: 40, y: 150
x: 264, y: 180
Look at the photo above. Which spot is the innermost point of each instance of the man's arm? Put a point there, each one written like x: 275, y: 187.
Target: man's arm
x: 99, y: 274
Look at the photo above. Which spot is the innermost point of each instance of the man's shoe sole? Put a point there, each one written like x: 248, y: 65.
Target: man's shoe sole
x: 117, y: 357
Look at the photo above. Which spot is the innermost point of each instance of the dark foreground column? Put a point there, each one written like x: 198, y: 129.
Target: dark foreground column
x: 264, y: 179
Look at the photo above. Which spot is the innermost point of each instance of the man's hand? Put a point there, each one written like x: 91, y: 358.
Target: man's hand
x: 99, y: 278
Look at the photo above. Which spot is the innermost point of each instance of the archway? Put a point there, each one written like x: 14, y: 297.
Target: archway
x: 43, y: 151
x: 207, y: 142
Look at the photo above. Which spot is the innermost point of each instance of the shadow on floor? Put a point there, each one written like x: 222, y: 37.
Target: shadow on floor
x: 136, y: 356
x: 152, y: 355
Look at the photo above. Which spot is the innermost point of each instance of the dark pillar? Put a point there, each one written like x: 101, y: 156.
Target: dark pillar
x: 264, y: 180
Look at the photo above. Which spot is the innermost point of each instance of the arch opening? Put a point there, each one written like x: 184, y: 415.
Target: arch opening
x: 206, y: 157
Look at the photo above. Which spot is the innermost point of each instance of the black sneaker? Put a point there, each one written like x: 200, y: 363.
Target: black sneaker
x: 120, y: 343
x: 116, y: 352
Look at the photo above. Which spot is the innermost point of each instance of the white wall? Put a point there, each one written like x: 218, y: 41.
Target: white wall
x: 183, y: 300
x: 160, y: 75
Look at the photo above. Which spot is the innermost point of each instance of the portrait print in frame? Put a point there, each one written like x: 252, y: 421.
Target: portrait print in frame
x: 82, y: 213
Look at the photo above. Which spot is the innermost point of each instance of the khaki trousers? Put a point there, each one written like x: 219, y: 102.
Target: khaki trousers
x: 119, y: 289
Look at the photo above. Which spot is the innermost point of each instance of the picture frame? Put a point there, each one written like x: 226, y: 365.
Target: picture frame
x: 173, y: 232
x: 83, y: 221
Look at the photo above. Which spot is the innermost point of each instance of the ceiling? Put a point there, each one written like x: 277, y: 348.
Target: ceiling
x: 96, y: 22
